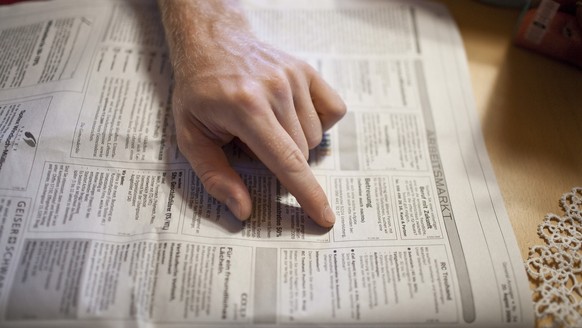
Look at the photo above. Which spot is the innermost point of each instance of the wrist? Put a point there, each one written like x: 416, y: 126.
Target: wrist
x: 198, y: 31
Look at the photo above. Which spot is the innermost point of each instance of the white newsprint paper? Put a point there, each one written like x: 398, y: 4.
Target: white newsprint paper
x: 104, y: 224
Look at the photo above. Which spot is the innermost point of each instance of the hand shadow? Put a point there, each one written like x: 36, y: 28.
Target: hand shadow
x: 275, y: 214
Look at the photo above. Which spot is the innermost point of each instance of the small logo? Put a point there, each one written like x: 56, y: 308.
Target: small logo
x: 30, y: 139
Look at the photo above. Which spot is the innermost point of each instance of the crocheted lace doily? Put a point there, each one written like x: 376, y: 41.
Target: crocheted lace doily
x: 556, y: 268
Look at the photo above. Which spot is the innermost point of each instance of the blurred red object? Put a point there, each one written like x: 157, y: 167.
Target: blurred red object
x: 552, y: 29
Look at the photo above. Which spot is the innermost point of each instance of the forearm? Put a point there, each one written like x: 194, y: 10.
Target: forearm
x: 194, y: 27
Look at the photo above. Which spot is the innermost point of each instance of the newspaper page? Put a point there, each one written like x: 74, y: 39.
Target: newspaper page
x: 104, y: 224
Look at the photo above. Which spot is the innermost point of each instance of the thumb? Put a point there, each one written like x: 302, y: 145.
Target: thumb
x: 211, y: 166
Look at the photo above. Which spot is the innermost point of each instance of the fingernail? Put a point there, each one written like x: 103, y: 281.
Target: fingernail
x: 328, y: 216
x: 234, y: 207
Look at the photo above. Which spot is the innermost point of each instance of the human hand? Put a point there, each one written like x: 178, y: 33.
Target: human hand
x: 232, y: 85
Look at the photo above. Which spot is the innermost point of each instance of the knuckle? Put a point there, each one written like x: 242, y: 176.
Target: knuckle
x: 313, y: 140
x: 278, y: 84
x: 340, y: 109
x: 245, y: 95
x: 303, y: 66
x: 293, y: 161
x: 251, y: 102
x: 316, y: 195
x: 333, y: 114
x: 210, y: 180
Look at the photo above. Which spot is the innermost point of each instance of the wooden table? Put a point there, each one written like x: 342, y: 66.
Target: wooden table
x: 530, y: 108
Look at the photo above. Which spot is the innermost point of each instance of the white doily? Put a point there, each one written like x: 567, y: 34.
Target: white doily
x: 556, y: 268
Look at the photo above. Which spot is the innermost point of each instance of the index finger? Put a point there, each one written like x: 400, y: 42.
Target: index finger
x: 277, y: 150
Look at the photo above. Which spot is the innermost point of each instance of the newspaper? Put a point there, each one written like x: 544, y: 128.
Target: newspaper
x: 104, y: 224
